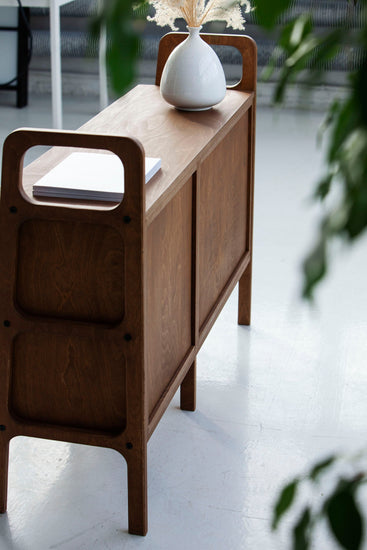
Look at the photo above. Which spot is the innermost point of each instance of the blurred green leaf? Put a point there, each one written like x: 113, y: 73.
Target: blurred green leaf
x: 301, y: 531
x: 360, y: 84
x: 323, y: 187
x: 344, y: 516
x: 344, y: 123
x: 314, y: 267
x: 298, y: 60
x: 284, y: 501
x: 301, y: 52
x: 267, y: 12
x: 327, y: 48
x: 357, y: 219
x: 352, y: 156
x: 329, y: 120
x: 123, y: 40
x: 301, y: 27
x: 296, y: 47
x: 321, y: 466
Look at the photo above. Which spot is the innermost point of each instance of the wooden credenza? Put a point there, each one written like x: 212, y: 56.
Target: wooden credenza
x: 105, y: 306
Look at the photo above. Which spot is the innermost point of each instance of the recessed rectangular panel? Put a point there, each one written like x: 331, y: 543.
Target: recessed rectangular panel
x: 222, y: 215
x: 169, y: 292
x: 70, y: 270
x: 71, y: 381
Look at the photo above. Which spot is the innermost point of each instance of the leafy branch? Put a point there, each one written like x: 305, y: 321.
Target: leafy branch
x: 120, y: 20
x: 339, y: 508
x: 303, y: 55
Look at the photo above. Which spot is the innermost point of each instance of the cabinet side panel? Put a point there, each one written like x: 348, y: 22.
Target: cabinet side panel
x: 169, y: 293
x: 70, y: 270
x: 222, y: 215
x: 70, y: 381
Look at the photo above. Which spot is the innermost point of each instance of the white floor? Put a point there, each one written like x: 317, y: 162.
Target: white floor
x: 271, y: 398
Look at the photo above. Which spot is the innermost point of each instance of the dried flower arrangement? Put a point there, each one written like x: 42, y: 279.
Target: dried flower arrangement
x: 198, y: 12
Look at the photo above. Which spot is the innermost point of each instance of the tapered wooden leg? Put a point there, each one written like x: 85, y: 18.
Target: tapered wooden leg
x: 188, y: 390
x: 137, y: 492
x: 244, y: 297
x: 4, y: 461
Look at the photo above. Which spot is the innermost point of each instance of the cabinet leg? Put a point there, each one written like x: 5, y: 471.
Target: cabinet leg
x: 188, y: 390
x: 244, y: 297
x: 4, y: 461
x: 137, y: 492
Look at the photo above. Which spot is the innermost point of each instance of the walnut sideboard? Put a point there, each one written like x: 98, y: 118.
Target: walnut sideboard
x: 105, y: 306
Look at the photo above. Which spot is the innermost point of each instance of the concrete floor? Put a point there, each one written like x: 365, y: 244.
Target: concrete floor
x: 272, y: 398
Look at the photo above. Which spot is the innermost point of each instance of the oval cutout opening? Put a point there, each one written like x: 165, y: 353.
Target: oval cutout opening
x: 231, y: 61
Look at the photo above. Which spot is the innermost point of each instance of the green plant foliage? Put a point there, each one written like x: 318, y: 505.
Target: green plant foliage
x: 302, y: 55
x: 337, y: 506
x: 268, y: 11
x: 301, y: 531
x: 344, y: 516
x: 315, y: 265
x: 319, y: 467
x: 284, y: 502
x: 119, y: 17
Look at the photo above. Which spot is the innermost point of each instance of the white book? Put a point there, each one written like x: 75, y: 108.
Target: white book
x: 89, y: 176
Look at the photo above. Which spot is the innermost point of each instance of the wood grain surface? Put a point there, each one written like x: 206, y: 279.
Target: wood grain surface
x: 169, y: 293
x: 69, y: 381
x: 222, y: 223
x: 92, y: 291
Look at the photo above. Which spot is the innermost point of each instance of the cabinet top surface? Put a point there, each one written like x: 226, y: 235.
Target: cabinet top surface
x: 180, y: 138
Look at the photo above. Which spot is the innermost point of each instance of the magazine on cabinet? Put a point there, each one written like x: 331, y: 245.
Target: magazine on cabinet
x: 89, y: 176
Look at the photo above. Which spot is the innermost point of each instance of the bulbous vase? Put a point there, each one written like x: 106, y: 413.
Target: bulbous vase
x: 193, y: 77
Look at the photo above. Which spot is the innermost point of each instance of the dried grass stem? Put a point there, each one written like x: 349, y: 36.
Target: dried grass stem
x: 198, y: 12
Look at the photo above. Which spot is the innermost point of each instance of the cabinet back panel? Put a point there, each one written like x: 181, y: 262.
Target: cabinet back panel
x: 169, y: 292
x: 222, y: 215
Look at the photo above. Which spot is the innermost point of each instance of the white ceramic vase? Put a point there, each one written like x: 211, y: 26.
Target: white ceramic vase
x: 193, y: 77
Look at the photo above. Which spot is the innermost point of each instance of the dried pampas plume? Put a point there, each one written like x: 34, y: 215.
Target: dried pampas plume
x: 198, y: 12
